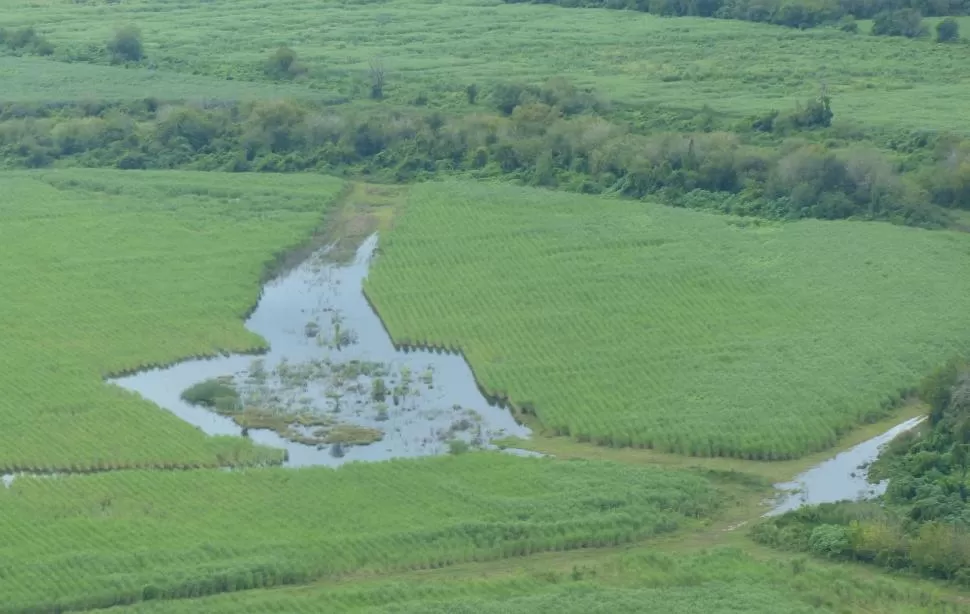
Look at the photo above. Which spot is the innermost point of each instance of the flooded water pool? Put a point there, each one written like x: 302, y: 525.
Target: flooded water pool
x: 839, y: 478
x: 332, y: 370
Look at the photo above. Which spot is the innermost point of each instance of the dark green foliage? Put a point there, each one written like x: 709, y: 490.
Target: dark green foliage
x: 829, y: 540
x: 848, y: 24
x: 816, y: 113
x: 126, y: 46
x: 283, y: 64
x: 25, y: 41
x: 556, y: 93
x: 552, y: 136
x: 937, y: 388
x: 947, y: 30
x: 903, y: 22
x: 471, y: 92
x: 791, y: 13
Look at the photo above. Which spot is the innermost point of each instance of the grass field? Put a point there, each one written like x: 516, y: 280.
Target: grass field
x: 612, y: 322
x: 439, y: 48
x: 107, y: 271
x: 634, y: 324
x: 120, y: 537
x: 43, y: 80
x: 717, y: 582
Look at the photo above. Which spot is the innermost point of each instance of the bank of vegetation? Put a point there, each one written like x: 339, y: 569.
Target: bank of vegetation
x: 892, y: 17
x: 922, y: 523
x: 786, y: 164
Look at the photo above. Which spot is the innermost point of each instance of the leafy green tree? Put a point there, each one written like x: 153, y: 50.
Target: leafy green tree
x: 947, y: 30
x: 904, y: 22
x: 848, y: 24
x: 126, y: 46
x: 283, y: 64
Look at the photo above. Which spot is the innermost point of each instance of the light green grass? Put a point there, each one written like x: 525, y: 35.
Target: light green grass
x: 719, y: 581
x: 632, y: 323
x: 108, y: 271
x: 114, y: 538
x: 41, y: 80
x: 440, y: 47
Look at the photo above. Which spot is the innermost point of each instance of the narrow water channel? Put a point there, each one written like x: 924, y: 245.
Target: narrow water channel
x: 842, y: 477
x: 328, y: 349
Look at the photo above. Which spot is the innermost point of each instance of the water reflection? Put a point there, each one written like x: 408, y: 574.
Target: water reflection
x: 842, y: 477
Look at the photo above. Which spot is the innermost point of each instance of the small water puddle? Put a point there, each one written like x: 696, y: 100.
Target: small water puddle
x: 841, y: 477
x: 334, y: 380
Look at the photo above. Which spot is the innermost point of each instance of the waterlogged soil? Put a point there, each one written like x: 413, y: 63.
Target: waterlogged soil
x: 843, y: 477
x: 332, y: 387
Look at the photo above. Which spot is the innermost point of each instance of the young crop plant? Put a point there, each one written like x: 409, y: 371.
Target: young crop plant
x: 630, y: 324
x: 115, y: 272
x: 123, y: 537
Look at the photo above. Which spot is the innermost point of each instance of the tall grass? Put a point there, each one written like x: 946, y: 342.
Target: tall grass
x: 435, y: 50
x: 633, y: 324
x: 107, y: 271
x: 114, y: 538
x: 720, y: 581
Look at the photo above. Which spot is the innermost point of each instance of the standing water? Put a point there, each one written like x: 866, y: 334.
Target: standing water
x: 841, y: 477
x: 332, y: 387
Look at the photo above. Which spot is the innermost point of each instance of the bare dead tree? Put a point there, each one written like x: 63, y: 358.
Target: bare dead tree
x: 377, y: 78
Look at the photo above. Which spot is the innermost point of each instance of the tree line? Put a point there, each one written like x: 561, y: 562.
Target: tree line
x: 548, y: 136
x: 792, y: 13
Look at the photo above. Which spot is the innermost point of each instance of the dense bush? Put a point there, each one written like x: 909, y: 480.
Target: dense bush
x: 947, y: 30
x: 791, y: 13
x: 904, y: 22
x: 25, y: 41
x: 546, y: 135
x: 283, y: 64
x: 126, y: 46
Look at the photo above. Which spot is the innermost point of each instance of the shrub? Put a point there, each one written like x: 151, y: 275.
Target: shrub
x: 126, y: 46
x: 26, y: 40
x: 904, y: 22
x: 829, y: 540
x: 848, y: 24
x: 283, y: 64
x: 947, y: 30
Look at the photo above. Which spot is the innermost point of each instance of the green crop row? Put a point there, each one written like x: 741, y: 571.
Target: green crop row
x: 431, y: 51
x: 121, y: 537
x: 633, y: 324
x: 107, y: 271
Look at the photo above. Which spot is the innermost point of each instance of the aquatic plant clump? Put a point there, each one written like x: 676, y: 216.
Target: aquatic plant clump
x: 214, y: 393
x: 630, y: 324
